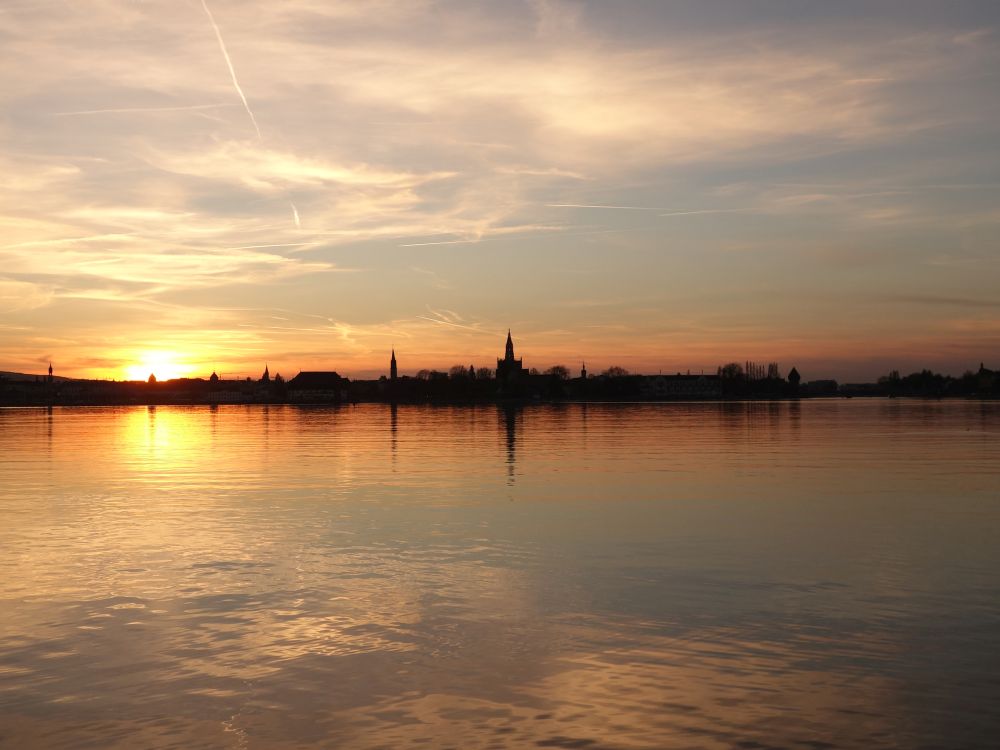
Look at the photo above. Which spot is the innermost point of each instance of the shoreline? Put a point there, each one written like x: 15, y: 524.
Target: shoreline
x: 514, y: 403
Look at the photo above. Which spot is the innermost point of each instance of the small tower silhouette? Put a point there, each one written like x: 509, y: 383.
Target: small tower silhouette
x: 50, y: 372
x: 393, y: 372
x: 583, y: 370
x: 213, y: 378
x: 793, y: 381
x: 266, y: 377
x: 509, y: 351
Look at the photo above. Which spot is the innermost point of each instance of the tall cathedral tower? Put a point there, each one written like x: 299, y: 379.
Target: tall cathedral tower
x: 392, y: 365
x: 509, y: 368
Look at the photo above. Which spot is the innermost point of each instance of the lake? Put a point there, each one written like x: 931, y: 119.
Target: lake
x: 754, y: 575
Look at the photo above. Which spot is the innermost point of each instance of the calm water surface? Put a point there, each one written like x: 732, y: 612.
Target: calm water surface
x: 814, y: 575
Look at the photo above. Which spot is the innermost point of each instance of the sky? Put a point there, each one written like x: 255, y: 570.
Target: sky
x: 199, y: 185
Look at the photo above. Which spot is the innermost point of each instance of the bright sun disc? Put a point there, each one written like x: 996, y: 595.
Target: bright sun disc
x: 164, y: 365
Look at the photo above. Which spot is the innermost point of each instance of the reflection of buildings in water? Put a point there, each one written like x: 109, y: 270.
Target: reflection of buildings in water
x: 732, y: 419
x: 151, y: 422
x: 774, y: 415
x: 795, y: 415
x: 750, y: 422
x: 393, y: 429
x: 510, y: 416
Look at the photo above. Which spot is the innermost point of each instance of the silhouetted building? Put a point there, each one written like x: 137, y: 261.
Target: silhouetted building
x: 308, y: 381
x: 680, y: 386
x: 583, y: 370
x: 213, y: 378
x: 317, y: 386
x: 266, y: 377
x: 820, y: 388
x: 393, y: 372
x: 51, y: 378
x: 509, y: 369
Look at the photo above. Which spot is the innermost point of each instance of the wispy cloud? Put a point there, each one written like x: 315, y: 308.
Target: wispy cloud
x: 659, y: 211
x: 141, y: 110
x: 19, y: 296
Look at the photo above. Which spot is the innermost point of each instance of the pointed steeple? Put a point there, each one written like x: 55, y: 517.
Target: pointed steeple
x: 583, y: 370
x: 509, y: 353
x: 50, y: 372
x: 392, y: 365
x: 266, y: 377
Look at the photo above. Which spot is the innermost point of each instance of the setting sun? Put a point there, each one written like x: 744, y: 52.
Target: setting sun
x: 164, y: 365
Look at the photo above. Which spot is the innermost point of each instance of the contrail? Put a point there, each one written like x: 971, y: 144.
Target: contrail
x: 591, y: 205
x: 707, y: 211
x: 295, y: 215
x: 261, y: 247
x: 232, y: 72
x: 449, y: 323
x: 451, y: 242
x: 477, y: 240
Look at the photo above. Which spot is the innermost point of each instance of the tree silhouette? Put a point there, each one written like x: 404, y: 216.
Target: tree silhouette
x: 732, y: 371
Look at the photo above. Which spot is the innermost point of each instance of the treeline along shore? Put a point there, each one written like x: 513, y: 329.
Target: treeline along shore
x: 461, y: 385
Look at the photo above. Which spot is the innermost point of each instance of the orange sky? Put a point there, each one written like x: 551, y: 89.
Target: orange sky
x: 306, y: 184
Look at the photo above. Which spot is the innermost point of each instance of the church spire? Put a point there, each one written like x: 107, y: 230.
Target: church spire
x: 266, y: 377
x: 392, y: 365
x: 509, y: 353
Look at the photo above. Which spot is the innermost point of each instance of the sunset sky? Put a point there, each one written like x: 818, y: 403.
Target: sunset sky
x: 192, y: 185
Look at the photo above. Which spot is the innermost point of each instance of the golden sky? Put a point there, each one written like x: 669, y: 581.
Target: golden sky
x: 223, y: 184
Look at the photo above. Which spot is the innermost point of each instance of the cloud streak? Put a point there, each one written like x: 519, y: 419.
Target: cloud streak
x: 140, y: 110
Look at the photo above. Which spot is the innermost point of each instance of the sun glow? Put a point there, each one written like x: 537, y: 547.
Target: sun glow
x: 164, y: 365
